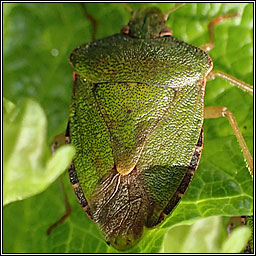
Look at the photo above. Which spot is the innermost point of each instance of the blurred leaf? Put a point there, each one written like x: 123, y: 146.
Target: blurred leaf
x: 204, y: 236
x: 38, y: 39
x: 237, y: 240
x: 24, y: 170
x: 8, y: 106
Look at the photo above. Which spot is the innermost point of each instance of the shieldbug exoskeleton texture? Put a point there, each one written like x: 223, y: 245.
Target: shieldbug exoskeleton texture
x: 136, y: 120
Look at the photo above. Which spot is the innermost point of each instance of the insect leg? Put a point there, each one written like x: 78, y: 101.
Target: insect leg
x: 207, y: 47
x: 240, y: 84
x: 67, y: 206
x: 59, y: 140
x: 220, y: 111
x: 237, y: 221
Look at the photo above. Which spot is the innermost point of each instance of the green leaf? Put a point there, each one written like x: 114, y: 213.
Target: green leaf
x: 25, y: 172
x: 206, y: 236
x: 38, y: 39
x: 237, y: 240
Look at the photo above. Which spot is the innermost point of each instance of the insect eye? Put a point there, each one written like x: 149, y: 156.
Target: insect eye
x: 125, y: 29
x: 166, y: 32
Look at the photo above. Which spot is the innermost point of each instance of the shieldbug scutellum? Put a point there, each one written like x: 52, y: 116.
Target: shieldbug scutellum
x: 136, y: 121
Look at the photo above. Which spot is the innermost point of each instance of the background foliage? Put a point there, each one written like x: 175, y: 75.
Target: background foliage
x: 38, y: 38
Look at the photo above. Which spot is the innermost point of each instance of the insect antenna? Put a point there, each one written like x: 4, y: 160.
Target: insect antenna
x: 91, y: 19
x: 166, y: 15
x: 128, y: 7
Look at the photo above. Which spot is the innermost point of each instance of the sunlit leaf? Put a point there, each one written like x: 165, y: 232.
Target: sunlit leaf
x: 25, y: 170
x: 206, y: 236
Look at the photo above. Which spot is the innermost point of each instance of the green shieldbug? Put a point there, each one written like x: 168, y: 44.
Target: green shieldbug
x: 136, y: 121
